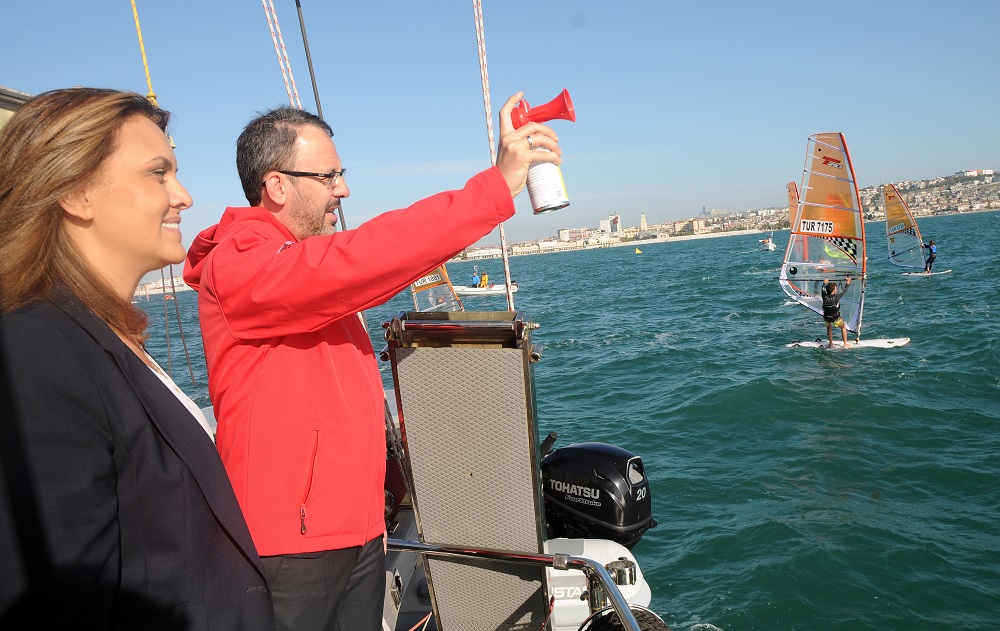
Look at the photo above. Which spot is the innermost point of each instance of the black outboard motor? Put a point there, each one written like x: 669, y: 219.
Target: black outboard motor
x: 596, y: 491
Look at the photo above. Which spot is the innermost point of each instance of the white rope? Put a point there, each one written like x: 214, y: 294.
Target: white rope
x: 279, y: 50
x: 477, y: 9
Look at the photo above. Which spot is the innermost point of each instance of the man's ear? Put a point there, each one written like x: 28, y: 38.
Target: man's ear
x: 77, y: 204
x: 276, y: 188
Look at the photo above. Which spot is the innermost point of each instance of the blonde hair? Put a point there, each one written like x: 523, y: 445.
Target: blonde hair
x: 52, y: 147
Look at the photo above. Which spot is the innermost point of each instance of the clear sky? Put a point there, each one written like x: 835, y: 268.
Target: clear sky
x: 680, y: 105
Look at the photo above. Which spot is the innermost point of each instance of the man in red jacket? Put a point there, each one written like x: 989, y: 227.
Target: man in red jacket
x: 292, y: 373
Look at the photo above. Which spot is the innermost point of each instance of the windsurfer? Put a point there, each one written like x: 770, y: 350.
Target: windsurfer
x: 931, y: 255
x: 831, y: 309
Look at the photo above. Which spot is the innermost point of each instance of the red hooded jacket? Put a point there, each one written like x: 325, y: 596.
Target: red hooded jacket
x: 292, y: 373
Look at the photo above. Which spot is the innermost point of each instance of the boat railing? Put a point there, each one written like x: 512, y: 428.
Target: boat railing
x: 596, y: 573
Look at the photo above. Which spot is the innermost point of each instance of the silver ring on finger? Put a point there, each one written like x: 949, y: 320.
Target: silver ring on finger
x: 528, y: 138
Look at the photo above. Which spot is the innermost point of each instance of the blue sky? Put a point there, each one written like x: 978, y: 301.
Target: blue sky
x: 680, y: 105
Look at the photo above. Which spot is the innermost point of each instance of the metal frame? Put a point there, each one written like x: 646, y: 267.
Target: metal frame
x: 478, y: 337
x: 596, y: 573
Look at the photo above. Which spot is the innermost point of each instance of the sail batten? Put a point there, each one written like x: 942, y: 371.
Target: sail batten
x: 827, y: 240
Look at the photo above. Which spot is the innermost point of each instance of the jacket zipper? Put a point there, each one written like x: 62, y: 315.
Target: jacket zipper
x: 309, y: 479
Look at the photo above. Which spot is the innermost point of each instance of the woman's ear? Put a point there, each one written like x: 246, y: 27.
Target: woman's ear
x: 77, y: 204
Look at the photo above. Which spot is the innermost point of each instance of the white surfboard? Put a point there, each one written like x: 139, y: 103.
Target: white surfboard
x: 946, y: 271
x: 886, y: 342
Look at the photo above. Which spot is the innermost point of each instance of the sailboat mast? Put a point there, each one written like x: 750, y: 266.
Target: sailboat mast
x: 864, y: 243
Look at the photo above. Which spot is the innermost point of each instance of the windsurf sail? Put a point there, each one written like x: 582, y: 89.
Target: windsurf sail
x: 827, y: 241
x: 433, y: 292
x: 793, y: 201
x: 906, y: 246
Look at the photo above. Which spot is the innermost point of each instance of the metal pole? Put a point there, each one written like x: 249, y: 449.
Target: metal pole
x: 312, y: 77
x: 309, y: 61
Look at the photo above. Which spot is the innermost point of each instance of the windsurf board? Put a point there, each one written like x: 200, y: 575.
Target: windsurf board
x: 875, y: 343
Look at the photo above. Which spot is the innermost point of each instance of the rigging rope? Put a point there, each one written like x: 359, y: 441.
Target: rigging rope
x: 180, y: 328
x: 282, y: 54
x: 477, y: 9
x: 166, y: 323
x: 151, y: 96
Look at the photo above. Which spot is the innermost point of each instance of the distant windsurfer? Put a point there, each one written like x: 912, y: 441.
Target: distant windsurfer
x: 831, y: 309
x: 931, y: 255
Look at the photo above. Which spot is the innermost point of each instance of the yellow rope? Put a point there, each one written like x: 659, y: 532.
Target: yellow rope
x: 142, y: 49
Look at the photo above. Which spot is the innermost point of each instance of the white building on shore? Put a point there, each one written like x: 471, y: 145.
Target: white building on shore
x: 162, y: 286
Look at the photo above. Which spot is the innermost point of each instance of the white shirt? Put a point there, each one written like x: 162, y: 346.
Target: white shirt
x: 183, y: 398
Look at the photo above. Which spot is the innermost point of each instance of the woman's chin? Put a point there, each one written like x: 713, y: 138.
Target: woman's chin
x: 171, y: 256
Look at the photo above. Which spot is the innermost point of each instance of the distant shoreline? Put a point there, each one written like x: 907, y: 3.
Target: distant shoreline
x: 624, y: 244
x: 686, y: 237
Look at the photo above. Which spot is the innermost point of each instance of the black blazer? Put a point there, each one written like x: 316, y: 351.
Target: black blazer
x: 115, y: 509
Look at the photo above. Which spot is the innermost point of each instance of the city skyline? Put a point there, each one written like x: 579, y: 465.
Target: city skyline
x: 919, y: 203
x: 679, y: 107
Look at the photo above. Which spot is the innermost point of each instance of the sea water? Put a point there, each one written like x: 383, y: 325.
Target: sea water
x: 794, y: 488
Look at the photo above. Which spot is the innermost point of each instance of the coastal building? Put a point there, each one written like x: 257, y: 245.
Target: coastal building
x: 162, y: 286
x: 616, y: 225
x: 525, y: 248
x: 484, y: 253
x: 630, y: 232
x: 574, y: 234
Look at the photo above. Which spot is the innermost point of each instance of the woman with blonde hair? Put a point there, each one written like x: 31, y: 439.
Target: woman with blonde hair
x: 115, y: 509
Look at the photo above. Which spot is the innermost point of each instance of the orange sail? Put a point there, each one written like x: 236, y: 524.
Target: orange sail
x: 906, y: 246
x: 827, y: 240
x: 434, y: 292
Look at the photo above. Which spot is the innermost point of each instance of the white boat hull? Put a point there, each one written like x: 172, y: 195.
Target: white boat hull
x: 493, y: 290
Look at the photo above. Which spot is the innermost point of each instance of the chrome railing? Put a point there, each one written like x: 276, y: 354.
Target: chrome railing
x: 595, y: 572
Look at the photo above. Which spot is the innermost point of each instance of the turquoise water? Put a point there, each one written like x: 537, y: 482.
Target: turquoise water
x: 794, y: 488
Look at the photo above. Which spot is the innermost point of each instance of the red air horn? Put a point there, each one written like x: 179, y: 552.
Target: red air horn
x: 559, y: 107
x: 545, y: 182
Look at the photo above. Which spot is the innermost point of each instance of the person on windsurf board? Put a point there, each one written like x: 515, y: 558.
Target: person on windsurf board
x: 831, y: 310
x: 931, y: 255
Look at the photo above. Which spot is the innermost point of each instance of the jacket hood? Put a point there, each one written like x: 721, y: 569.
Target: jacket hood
x: 209, y: 238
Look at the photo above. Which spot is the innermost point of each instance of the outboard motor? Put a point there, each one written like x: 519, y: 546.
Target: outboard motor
x: 596, y: 491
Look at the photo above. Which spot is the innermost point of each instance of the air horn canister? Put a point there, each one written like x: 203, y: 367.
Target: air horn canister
x: 546, y: 187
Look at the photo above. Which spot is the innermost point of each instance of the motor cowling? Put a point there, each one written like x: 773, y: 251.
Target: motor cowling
x: 596, y: 490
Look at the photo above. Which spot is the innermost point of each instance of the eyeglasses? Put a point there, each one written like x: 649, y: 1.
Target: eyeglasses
x: 330, y: 179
